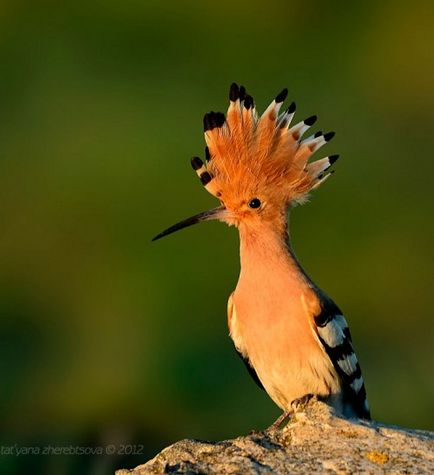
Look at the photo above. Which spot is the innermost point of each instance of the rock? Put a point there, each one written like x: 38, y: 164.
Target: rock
x: 314, y: 441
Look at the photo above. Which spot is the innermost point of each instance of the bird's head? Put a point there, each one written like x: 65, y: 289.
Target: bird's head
x: 257, y: 166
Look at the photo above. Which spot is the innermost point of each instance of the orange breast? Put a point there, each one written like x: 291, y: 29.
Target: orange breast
x: 272, y: 323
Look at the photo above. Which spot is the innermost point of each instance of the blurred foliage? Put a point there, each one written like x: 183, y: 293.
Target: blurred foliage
x: 106, y: 337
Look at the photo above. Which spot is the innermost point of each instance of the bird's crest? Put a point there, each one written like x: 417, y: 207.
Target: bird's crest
x: 247, y: 154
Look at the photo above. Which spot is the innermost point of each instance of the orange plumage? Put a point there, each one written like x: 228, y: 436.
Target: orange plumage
x: 293, y: 338
x: 251, y: 155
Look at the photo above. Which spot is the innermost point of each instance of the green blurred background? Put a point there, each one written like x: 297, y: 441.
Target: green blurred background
x: 106, y: 337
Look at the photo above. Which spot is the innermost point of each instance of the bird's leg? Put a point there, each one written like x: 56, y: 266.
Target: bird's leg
x: 299, y: 403
x: 279, y: 421
x: 296, y: 405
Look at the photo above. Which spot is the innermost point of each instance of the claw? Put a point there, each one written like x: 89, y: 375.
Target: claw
x: 299, y: 404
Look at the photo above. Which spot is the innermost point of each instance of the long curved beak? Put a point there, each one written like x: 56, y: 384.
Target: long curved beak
x: 215, y: 213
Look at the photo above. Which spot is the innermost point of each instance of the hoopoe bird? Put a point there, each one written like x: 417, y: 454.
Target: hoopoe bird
x: 292, y: 337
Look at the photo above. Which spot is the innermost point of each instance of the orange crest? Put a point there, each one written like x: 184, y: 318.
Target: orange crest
x: 248, y: 155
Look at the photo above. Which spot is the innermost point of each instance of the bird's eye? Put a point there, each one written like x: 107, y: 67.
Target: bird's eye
x: 255, y: 203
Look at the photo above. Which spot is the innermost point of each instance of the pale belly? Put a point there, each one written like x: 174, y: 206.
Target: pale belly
x: 274, y: 331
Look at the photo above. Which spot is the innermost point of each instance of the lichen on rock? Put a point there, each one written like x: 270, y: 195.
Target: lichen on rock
x: 314, y: 441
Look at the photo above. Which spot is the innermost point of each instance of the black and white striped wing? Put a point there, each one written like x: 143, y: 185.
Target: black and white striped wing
x: 335, y: 336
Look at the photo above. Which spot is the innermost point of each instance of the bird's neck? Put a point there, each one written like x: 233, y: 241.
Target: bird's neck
x: 266, y: 254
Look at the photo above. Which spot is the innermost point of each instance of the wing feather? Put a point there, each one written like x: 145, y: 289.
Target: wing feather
x: 334, y: 334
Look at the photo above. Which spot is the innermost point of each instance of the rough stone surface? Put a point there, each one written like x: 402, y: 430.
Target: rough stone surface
x: 314, y: 441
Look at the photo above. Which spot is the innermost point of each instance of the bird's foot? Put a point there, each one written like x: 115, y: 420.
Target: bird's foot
x: 299, y: 404
x: 279, y: 421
